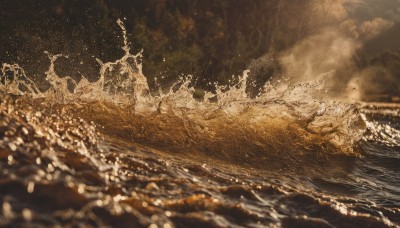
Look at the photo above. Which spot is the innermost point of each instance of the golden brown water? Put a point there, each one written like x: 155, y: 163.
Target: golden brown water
x: 58, y: 170
x: 110, y: 153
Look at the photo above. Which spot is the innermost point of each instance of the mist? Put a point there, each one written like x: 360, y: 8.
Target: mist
x: 343, y: 45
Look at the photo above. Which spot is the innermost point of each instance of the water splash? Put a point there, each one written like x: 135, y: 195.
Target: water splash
x: 13, y: 80
x: 296, y: 111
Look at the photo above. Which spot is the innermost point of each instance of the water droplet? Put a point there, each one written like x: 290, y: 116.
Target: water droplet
x: 31, y: 187
x: 10, y: 159
x: 157, y: 202
x: 81, y: 188
x: 27, y: 214
x: 152, y: 187
x: 12, y: 146
x: 50, y: 167
x: 25, y: 131
x: 99, y: 203
x: 7, y: 210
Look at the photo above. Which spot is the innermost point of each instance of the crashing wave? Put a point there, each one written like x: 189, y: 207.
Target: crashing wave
x: 282, y: 119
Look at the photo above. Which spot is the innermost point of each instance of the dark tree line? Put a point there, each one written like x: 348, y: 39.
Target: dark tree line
x: 209, y: 39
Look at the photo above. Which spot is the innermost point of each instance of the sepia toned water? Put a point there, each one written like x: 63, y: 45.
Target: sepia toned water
x: 112, y: 153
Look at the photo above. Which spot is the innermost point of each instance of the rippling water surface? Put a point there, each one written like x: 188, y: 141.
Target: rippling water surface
x: 110, y: 153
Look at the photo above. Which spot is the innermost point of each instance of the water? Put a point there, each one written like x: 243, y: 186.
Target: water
x: 112, y: 153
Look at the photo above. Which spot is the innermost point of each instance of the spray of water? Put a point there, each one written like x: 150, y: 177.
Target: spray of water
x: 283, y: 118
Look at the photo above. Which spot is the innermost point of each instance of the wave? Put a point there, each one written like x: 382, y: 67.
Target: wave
x: 283, y: 120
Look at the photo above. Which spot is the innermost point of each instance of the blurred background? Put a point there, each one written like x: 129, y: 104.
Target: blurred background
x: 355, y: 42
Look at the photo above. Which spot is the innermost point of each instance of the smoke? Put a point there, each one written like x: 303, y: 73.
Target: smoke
x: 335, y: 35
